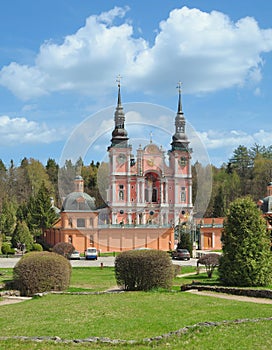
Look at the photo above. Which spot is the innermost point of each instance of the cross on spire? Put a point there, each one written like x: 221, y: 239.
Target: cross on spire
x: 118, y: 80
x: 179, y: 86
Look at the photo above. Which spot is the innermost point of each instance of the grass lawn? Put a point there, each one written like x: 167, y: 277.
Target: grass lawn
x: 132, y: 315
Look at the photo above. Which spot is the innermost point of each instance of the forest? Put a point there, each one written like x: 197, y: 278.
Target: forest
x: 28, y: 189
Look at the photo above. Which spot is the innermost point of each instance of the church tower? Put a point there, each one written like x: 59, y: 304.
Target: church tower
x: 120, y: 161
x: 180, y: 163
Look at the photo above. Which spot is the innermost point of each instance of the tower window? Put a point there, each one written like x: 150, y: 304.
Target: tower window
x: 121, y: 195
x: 183, y: 194
x: 80, y: 222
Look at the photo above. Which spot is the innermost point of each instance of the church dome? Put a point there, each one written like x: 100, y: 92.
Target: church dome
x: 78, y: 201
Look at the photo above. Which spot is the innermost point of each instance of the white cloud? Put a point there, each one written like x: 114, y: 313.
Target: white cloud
x: 214, y: 139
x: 207, y: 51
x: 16, y: 131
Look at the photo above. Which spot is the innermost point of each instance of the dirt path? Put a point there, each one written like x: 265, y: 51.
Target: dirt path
x: 231, y: 297
x: 12, y: 300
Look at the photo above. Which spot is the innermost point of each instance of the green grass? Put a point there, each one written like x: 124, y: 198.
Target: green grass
x: 92, y: 279
x: 5, y: 274
x: 132, y: 315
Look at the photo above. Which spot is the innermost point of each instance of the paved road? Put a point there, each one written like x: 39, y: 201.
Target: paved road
x: 106, y: 261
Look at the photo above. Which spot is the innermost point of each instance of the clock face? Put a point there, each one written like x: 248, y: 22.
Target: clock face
x: 121, y: 158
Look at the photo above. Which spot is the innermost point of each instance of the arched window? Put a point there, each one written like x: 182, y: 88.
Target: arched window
x: 121, y: 195
x: 183, y: 194
x: 70, y: 239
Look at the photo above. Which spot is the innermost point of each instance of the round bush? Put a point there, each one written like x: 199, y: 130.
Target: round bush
x: 38, y: 272
x: 63, y: 248
x: 37, y: 247
x: 144, y: 270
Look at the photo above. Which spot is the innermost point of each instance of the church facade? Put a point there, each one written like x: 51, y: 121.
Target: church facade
x: 146, y: 189
x: 148, y: 194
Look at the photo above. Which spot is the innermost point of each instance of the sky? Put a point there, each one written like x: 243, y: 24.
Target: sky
x: 60, y: 59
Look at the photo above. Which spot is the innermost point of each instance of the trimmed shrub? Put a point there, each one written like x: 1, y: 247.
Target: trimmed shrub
x: 38, y: 272
x: 246, y: 260
x: 63, y: 248
x: 144, y: 270
x: 22, y: 236
x: 211, y: 261
x: 5, y: 248
x: 37, y: 247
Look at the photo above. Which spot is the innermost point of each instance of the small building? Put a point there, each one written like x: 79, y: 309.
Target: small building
x: 210, y: 232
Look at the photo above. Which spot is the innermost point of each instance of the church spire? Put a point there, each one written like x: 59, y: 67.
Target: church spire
x: 179, y: 98
x: 119, y: 134
x: 179, y: 139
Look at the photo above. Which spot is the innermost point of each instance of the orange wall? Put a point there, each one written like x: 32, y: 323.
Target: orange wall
x: 115, y: 239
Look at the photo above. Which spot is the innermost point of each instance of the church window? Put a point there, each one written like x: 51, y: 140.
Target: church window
x: 70, y: 239
x: 80, y: 222
x: 121, y: 187
x: 121, y: 195
x: 81, y: 205
x: 91, y: 222
x: 183, y: 194
x: 154, y: 195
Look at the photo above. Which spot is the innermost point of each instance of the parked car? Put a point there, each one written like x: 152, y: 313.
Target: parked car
x: 91, y: 253
x: 181, y: 254
x: 75, y: 255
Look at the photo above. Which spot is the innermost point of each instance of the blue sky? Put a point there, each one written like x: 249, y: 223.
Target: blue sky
x: 59, y: 60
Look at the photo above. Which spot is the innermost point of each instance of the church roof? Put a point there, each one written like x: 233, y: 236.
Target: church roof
x: 78, y: 201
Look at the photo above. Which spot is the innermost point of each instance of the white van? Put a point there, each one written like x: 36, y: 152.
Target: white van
x: 91, y: 253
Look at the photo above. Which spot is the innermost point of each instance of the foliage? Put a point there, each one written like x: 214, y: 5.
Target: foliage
x: 246, y: 259
x: 184, y: 238
x: 8, y: 217
x: 144, y: 270
x: 37, y: 247
x: 211, y: 261
x: 41, y: 213
x: 6, y: 248
x: 22, y: 236
x: 38, y: 272
x: 63, y: 248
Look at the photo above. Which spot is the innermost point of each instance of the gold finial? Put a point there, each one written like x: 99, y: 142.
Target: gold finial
x: 118, y: 80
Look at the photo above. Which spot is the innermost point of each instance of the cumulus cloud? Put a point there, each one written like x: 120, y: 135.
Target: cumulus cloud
x: 233, y: 138
x: 19, y: 130
x: 207, y: 51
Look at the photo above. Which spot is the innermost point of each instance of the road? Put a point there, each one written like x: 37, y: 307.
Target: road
x: 106, y: 261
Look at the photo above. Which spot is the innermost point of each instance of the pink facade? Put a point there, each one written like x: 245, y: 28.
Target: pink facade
x: 148, y: 195
x: 146, y: 189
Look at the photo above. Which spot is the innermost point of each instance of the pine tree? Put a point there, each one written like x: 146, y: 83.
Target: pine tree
x: 246, y: 258
x: 41, y: 213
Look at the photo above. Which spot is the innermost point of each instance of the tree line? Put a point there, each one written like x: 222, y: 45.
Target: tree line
x: 26, y: 189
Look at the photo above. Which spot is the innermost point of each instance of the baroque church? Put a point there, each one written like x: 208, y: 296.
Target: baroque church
x: 148, y: 194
